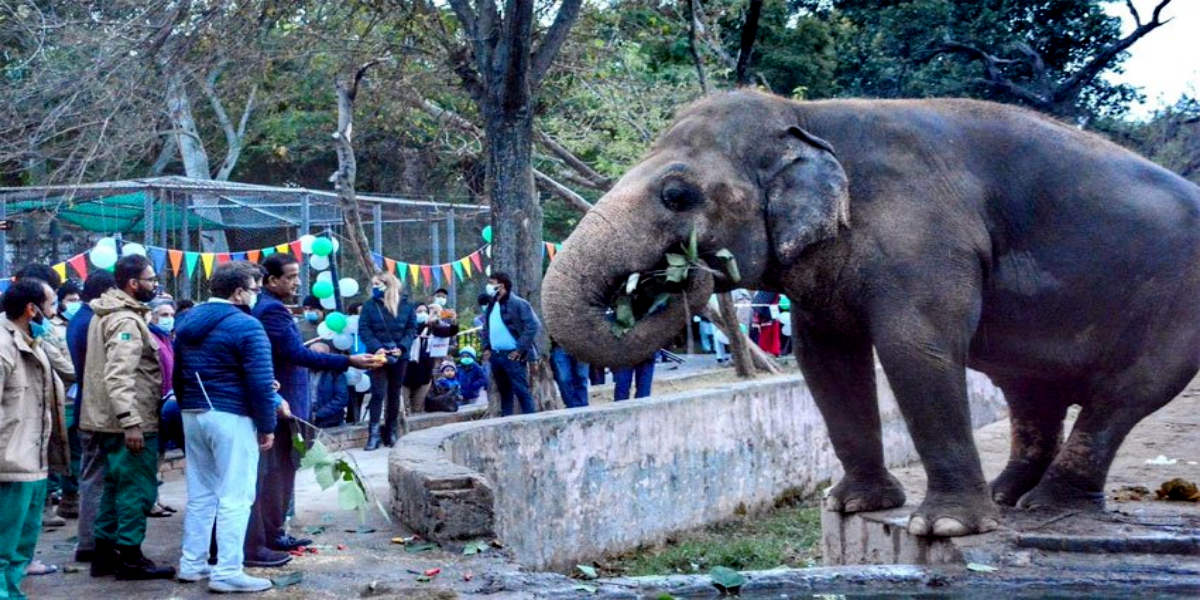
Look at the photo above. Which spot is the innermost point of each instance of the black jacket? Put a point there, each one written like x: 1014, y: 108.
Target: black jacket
x: 520, y: 320
x: 379, y: 329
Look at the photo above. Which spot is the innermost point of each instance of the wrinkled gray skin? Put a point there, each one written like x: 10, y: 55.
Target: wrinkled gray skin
x: 943, y: 234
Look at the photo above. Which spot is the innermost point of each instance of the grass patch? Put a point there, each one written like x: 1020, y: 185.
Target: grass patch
x: 786, y: 536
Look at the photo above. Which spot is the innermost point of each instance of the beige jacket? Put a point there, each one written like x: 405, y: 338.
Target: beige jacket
x: 33, y: 430
x: 122, y: 376
x: 55, y: 346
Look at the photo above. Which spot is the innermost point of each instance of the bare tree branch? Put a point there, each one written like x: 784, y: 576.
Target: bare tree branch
x: 749, y: 33
x: 596, y: 179
x: 543, y: 57
x: 698, y: 59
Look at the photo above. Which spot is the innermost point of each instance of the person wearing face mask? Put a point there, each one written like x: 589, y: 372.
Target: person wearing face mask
x: 312, y: 316
x: 387, y: 326
x: 420, y: 372
x: 32, y: 427
x: 510, y: 330
x: 162, y: 327
x: 123, y: 378
x: 472, y: 377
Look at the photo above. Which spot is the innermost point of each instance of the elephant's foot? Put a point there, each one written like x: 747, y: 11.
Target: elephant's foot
x: 1054, y: 493
x: 855, y: 494
x: 954, y: 515
x: 1017, y: 479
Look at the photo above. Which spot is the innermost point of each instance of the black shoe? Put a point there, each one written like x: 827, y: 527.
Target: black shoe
x: 267, y: 558
x: 372, y: 438
x: 84, y: 556
x: 134, y: 566
x: 104, y: 559
x: 390, y: 435
x: 287, y: 543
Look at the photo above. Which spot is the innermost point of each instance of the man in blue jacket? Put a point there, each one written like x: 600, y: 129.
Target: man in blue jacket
x: 224, y: 383
x: 509, y: 339
x: 267, y: 542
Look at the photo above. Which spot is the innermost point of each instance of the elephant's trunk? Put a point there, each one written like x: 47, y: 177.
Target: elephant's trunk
x: 589, y: 272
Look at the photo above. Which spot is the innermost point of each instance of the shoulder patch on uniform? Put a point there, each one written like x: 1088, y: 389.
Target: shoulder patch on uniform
x: 125, y: 336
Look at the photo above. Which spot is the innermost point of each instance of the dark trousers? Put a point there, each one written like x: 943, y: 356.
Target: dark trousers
x: 572, y: 378
x: 596, y: 374
x: 512, y: 381
x: 386, y: 382
x: 273, y: 498
x: 623, y: 379
x: 130, y: 488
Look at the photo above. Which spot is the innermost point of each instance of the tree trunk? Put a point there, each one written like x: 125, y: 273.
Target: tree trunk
x: 749, y: 33
x: 739, y: 345
x: 195, y: 161
x: 344, y: 177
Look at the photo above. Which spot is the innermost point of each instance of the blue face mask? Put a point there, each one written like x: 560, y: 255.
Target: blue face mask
x: 422, y: 317
x: 166, y: 323
x: 466, y: 361
x: 39, y: 329
x: 69, y: 310
x: 377, y: 293
x: 312, y: 316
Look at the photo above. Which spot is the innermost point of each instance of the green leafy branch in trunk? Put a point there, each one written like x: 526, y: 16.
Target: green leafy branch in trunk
x: 334, y: 469
x: 680, y: 264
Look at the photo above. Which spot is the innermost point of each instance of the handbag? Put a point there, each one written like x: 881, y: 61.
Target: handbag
x: 390, y: 345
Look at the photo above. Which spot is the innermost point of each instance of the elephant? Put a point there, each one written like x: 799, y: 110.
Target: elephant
x: 931, y: 235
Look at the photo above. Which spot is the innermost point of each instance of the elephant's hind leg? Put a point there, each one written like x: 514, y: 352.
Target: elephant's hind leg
x: 840, y: 372
x: 1036, y: 412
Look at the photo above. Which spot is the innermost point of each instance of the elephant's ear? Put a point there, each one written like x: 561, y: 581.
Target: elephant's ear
x: 807, y: 194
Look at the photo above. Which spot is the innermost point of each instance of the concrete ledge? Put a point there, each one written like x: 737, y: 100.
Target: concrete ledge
x: 566, y: 486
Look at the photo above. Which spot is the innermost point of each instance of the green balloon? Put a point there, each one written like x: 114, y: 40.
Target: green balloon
x: 336, y: 321
x: 784, y: 303
x: 487, y: 234
x: 322, y: 246
x: 323, y: 289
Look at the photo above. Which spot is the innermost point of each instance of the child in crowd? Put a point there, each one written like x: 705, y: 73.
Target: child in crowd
x: 444, y: 395
x: 330, y: 393
x: 472, y: 376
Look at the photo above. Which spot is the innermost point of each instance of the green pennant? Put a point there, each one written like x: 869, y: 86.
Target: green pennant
x: 268, y: 251
x: 458, y: 270
x: 191, y: 258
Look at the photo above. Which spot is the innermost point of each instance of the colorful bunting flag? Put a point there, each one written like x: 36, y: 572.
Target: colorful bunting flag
x: 191, y: 258
x: 176, y: 260
x: 437, y: 277
x: 158, y: 256
x: 222, y: 257
x: 414, y: 271
x: 478, y: 260
x: 296, y: 249
x: 61, y: 269
x: 79, y: 263
x: 253, y: 255
x: 426, y: 274
x: 238, y: 256
x: 282, y: 248
x: 449, y: 273
x: 268, y: 251
x: 391, y: 266
x: 378, y: 260
x: 466, y: 263
x: 458, y: 269
x: 207, y: 258
x: 551, y: 249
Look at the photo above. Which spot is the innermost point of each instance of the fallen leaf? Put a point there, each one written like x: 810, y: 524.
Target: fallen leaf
x: 475, y: 547
x: 980, y: 568
x: 583, y: 587
x: 589, y: 572
x: 292, y: 578
x: 314, y: 529
x: 1130, y: 493
x: 420, y: 547
x: 1178, y: 489
x: 727, y: 580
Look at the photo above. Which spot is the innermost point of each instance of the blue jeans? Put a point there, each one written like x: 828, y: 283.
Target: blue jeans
x: 512, y: 380
x: 623, y: 379
x: 572, y: 378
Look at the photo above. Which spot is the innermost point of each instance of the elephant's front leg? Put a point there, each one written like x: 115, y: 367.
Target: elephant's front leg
x: 840, y: 372
x: 924, y: 357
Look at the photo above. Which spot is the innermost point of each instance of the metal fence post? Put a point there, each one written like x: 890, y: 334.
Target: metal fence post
x: 435, y: 242
x: 148, y: 217
x: 185, y: 288
x: 377, y: 225
x: 3, y: 238
x: 451, y: 254
x: 305, y: 224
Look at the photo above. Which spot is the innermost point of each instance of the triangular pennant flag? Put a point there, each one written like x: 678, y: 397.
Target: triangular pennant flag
x: 61, y: 269
x: 414, y: 271
x: 253, y: 255
x: 79, y: 263
x: 239, y: 256
x: 296, y: 249
x: 176, y: 260
x: 207, y: 258
x: 449, y: 273
x: 551, y: 249
x: 391, y: 266
x: 268, y: 251
x: 466, y: 263
x: 437, y: 277
x: 191, y: 258
x: 426, y: 274
x: 282, y: 248
x: 478, y: 260
x: 222, y: 257
x: 378, y: 260
x: 158, y: 256
x: 458, y: 269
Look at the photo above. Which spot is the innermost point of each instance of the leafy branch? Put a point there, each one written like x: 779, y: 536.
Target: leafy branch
x: 353, y: 492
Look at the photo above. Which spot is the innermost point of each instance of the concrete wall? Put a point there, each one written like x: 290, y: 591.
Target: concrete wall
x: 565, y: 486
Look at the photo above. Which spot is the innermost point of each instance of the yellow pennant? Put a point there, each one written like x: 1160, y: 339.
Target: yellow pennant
x: 61, y: 269
x: 414, y: 271
x: 207, y: 259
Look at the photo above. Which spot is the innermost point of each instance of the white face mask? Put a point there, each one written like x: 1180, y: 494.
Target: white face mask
x: 490, y: 290
x: 440, y: 301
x: 250, y: 298
x: 422, y: 317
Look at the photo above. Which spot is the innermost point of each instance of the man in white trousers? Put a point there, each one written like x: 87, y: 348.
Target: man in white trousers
x: 224, y: 385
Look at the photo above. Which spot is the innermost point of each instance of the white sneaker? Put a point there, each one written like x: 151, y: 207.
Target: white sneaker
x: 193, y: 576
x: 241, y: 583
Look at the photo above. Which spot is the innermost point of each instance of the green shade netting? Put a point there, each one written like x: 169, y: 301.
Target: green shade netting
x: 110, y: 214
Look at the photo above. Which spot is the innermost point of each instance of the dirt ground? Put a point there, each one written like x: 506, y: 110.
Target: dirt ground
x: 352, y: 564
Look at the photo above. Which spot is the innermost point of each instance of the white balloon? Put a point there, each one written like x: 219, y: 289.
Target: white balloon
x: 353, y: 376
x: 351, y: 324
x: 363, y: 385
x: 306, y: 242
x: 103, y: 256
x: 107, y: 241
x: 487, y: 270
x: 131, y: 248
x: 329, y: 303
x: 319, y: 263
x: 348, y: 286
x: 343, y: 341
x: 487, y: 250
x: 336, y: 245
x: 324, y: 331
x: 325, y: 276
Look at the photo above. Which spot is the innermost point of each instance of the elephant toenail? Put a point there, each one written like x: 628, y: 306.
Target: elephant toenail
x: 947, y: 527
x: 988, y: 524
x: 918, y: 525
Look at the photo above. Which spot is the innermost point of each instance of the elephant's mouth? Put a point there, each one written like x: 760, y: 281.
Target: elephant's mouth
x: 680, y: 277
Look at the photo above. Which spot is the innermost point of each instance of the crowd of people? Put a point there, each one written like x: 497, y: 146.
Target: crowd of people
x: 99, y: 381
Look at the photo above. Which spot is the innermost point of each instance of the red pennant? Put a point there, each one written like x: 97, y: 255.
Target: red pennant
x: 426, y: 274
x: 176, y: 260
x: 296, y: 249
x: 477, y: 261
x: 222, y: 258
x: 391, y: 265
x: 448, y: 271
x: 79, y: 263
x: 254, y: 255
x: 551, y: 249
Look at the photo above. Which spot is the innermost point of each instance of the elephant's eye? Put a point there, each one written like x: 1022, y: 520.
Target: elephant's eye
x: 680, y: 196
